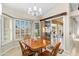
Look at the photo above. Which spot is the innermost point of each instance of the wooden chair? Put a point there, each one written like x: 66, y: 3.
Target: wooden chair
x: 25, y: 51
x: 61, y: 51
x: 53, y: 52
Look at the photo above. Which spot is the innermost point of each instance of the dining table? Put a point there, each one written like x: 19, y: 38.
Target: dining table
x: 38, y: 44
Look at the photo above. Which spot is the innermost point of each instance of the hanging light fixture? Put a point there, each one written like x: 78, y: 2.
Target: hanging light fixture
x: 35, y: 11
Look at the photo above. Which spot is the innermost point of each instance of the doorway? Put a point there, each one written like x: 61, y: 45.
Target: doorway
x: 57, y: 32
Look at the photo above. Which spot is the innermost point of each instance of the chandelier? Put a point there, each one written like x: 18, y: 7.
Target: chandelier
x: 35, y: 11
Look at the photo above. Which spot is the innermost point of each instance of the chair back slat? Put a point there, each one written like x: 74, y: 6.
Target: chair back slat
x: 22, y: 47
x: 56, y: 48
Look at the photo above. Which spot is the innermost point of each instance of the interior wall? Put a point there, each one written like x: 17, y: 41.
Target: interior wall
x: 0, y: 25
x: 0, y: 32
x: 77, y: 28
x: 73, y: 26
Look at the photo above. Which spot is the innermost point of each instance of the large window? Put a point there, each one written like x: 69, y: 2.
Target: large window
x: 6, y: 29
x: 16, y: 29
x: 22, y: 27
x: 35, y: 29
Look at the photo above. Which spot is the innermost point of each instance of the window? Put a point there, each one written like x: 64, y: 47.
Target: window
x: 6, y: 29
x: 36, y: 29
x: 22, y: 27
x: 16, y: 29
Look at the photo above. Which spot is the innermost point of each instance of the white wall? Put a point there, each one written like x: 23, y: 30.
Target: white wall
x: 77, y: 28
x: 0, y: 25
x: 60, y: 8
x: 0, y: 32
x: 73, y: 25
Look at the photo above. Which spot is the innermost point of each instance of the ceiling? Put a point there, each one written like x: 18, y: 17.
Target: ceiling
x: 23, y: 7
x: 58, y: 21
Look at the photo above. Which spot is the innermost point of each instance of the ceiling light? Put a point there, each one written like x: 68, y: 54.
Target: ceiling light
x: 35, y: 11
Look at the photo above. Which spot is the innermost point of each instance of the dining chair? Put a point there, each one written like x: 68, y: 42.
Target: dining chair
x: 61, y: 50
x: 53, y: 52
x: 25, y: 51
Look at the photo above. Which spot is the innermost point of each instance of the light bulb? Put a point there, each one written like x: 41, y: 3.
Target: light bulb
x: 35, y: 8
x: 40, y: 9
x: 29, y: 10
